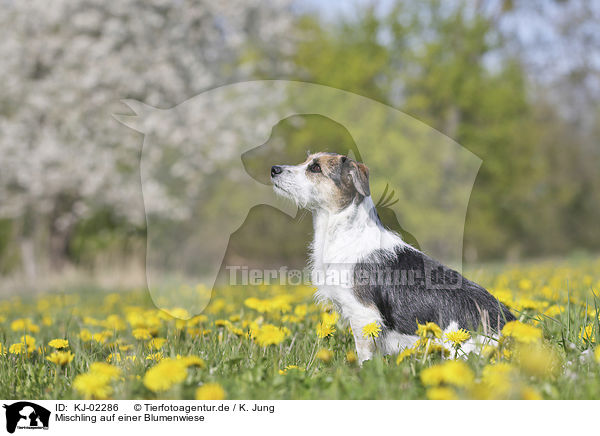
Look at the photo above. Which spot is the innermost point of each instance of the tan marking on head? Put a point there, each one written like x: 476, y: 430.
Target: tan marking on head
x: 340, y: 181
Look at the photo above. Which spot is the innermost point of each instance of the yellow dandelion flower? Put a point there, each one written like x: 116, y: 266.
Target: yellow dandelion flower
x: 527, y: 303
x: 521, y: 332
x: 435, y: 349
x: 28, y: 340
x: 325, y: 330
x: 457, y: 373
x: 114, y: 322
x: 281, y: 303
x: 504, y: 295
x: 237, y: 331
x: 210, y: 391
x: 292, y: 319
x: 155, y: 356
x: 90, y: 321
x: 324, y: 355
x: 269, y: 334
x: 125, y: 347
x: 330, y: 318
x: 290, y: 367
x: 102, y: 337
x: 102, y: 369
x: 407, y: 352
x: 85, y: 335
x: 192, y: 322
x: 222, y: 323
x: 433, y: 375
x: 587, y: 333
x: 429, y: 330
x: 24, y: 324
x: 141, y: 334
x: 528, y: 393
x: 165, y: 374
x: 25, y: 346
x: 19, y: 348
x: 351, y: 357
x: 493, y: 352
x: 554, y: 310
x: 113, y: 357
x: 92, y: 386
x: 156, y: 343
x: 301, y: 310
x: 371, y: 330
x: 454, y: 372
x: 192, y: 361
x: 59, y: 343
x: 525, y: 284
x: 441, y: 393
x: 458, y: 337
x: 178, y: 312
x: 537, y: 360
x: 61, y: 358
x: 499, y: 377
x: 254, y: 303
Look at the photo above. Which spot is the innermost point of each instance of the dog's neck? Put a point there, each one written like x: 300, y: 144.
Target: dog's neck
x: 350, y: 235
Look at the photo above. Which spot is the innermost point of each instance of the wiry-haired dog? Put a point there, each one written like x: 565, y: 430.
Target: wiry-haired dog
x: 389, y: 282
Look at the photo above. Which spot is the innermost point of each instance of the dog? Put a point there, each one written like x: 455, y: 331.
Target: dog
x: 368, y: 272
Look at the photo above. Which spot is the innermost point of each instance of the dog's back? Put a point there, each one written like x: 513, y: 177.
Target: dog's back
x: 409, y: 287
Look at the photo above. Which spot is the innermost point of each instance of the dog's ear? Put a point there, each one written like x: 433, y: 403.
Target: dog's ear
x: 359, y: 176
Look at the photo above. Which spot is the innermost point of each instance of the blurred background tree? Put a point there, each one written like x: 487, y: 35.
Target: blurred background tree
x: 515, y: 82
x: 69, y: 180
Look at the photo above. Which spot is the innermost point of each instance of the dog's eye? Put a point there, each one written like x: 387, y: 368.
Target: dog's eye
x: 315, y: 168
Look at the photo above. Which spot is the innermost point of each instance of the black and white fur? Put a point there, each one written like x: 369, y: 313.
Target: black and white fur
x: 350, y: 241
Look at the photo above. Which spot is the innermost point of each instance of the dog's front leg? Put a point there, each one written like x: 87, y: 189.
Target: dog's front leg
x: 364, y: 346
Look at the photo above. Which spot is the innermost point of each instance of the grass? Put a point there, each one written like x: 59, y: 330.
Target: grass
x: 248, y: 336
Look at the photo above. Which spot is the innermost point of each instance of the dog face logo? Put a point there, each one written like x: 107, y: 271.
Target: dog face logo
x: 26, y: 415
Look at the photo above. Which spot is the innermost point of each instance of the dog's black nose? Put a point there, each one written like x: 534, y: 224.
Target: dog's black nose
x: 275, y: 170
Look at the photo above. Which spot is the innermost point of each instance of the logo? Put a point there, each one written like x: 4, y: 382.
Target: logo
x: 26, y: 415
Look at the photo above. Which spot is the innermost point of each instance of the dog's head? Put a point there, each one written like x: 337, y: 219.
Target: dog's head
x: 326, y: 181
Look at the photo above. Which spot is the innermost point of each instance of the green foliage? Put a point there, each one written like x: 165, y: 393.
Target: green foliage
x: 535, y: 193
x: 104, y: 234
x: 9, y: 258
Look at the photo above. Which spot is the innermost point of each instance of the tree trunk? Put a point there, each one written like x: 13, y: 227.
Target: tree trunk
x: 28, y: 260
x: 59, y: 247
x: 27, y: 244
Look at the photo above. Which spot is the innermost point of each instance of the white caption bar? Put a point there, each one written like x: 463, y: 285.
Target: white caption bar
x: 280, y: 417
